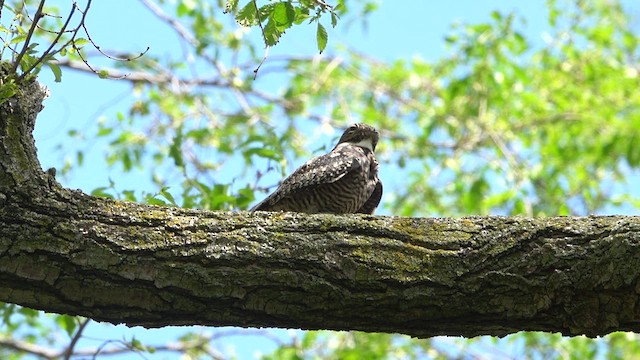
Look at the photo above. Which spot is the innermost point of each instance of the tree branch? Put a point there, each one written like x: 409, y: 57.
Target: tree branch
x: 63, y: 251
x: 139, y: 76
x: 152, y: 266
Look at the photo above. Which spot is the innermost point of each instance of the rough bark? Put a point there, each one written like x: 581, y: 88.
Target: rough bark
x: 120, y: 262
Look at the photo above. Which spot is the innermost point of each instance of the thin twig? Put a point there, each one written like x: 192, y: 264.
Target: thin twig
x: 140, y: 76
x: 53, y: 43
x: 264, y: 37
x: 266, y: 54
x: 95, y: 45
x: 32, y: 29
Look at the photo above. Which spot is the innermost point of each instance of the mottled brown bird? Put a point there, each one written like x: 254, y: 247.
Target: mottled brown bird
x: 343, y: 181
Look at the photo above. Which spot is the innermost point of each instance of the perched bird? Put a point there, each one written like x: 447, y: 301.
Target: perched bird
x: 343, y: 181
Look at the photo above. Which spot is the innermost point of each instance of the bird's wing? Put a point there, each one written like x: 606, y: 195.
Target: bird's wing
x: 323, y: 169
x: 372, y: 203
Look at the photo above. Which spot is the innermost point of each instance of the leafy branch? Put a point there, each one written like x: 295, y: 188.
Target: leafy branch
x: 25, y: 46
x: 280, y: 16
x: 66, y: 36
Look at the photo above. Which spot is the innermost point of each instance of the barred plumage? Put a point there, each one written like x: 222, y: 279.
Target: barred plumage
x: 343, y: 181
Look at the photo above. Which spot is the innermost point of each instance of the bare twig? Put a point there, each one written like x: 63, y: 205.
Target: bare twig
x: 48, y: 54
x: 95, y: 45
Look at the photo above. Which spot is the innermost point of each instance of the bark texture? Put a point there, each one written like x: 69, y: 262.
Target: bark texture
x: 63, y: 251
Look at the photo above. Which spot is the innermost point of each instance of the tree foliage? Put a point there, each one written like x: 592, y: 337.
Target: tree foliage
x: 501, y: 125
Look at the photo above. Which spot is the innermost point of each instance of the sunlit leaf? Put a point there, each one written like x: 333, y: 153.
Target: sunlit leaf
x: 271, y: 33
x: 284, y: 14
x: 55, y: 69
x: 230, y: 6
x: 247, y: 16
x: 321, y: 38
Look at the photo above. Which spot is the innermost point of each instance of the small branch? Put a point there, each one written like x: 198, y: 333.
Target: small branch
x: 141, y: 76
x: 95, y: 45
x: 27, y: 41
x: 69, y: 351
x: 48, y: 52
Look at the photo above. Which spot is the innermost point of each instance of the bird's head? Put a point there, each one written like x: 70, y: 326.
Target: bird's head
x: 362, y: 135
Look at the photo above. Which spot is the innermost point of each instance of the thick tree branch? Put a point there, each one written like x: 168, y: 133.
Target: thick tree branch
x: 120, y: 262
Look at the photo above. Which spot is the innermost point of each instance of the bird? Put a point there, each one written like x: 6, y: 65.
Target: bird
x: 343, y: 181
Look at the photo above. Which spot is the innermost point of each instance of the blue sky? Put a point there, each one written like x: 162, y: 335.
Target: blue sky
x: 80, y: 99
x: 398, y: 30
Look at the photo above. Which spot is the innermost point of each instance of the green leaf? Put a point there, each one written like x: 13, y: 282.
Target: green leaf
x: 79, y: 157
x: 271, y: 33
x: 104, y: 131
x: 156, y: 201
x: 310, y: 338
x: 55, y: 69
x: 80, y: 42
x: 103, y: 74
x: 7, y: 90
x: 284, y: 14
x: 17, y: 39
x: 137, y: 344
x: 263, y: 152
x: 230, y: 6
x: 129, y: 195
x: 266, y: 12
x: 334, y: 19
x: 247, y: 16
x: 101, y: 192
x: 175, y: 150
x: 186, y: 7
x: 67, y: 323
x: 302, y: 14
x: 321, y: 38
x: 28, y: 61
x: 164, y: 192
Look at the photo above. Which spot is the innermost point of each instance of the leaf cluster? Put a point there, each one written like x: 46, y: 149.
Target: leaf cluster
x: 281, y: 15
